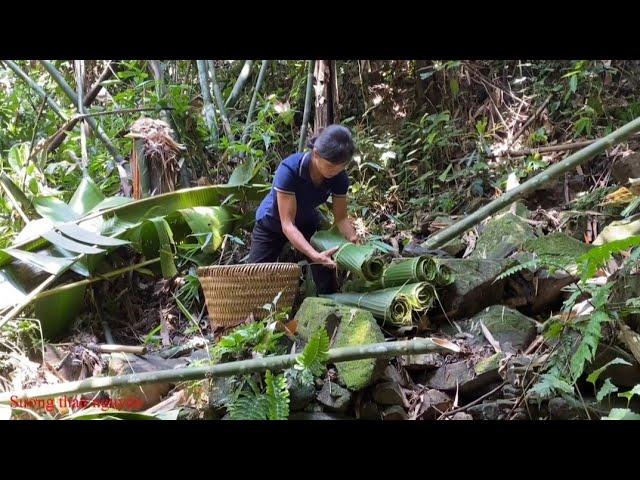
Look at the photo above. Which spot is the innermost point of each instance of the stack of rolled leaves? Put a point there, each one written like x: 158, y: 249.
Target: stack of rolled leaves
x: 363, y: 261
x: 394, y: 305
x: 406, y: 270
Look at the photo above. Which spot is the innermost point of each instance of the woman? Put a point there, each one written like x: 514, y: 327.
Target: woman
x: 302, y: 182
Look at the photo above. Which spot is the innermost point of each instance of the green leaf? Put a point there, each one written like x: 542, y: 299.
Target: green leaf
x: 629, y: 395
x: 573, y: 83
x: 243, y: 174
x: 600, y: 255
x: 593, y: 377
x: 58, y: 311
x: 607, y: 389
x: 68, y: 244
x: 217, y: 221
x: 74, y: 231
x: 86, y: 197
x: 455, y: 86
x: 17, y: 193
x: 443, y: 176
x: 165, y: 238
x: 50, y: 264
x: 54, y: 209
x: 97, y: 413
x: 621, y: 414
x: 315, y: 353
x: 277, y: 395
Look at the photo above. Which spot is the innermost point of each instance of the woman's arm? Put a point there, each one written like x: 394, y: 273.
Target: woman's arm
x: 287, y: 208
x: 342, y: 220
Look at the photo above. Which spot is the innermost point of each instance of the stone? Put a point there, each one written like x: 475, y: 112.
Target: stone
x: 625, y: 168
x: 389, y: 393
x: 461, y: 416
x: 394, y: 412
x: 501, y: 236
x: 221, y: 394
x: 507, y: 326
x: 334, y: 397
x: 424, y: 361
x: 369, y: 411
x: 300, y: 393
x: 495, y: 410
x: 315, y: 416
x: 391, y: 374
x: 347, y: 326
x: 467, y: 378
x: 434, y: 404
x: 560, y: 409
x: 474, y: 287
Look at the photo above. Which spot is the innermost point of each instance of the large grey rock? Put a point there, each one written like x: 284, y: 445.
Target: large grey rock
x: 394, y: 412
x: 389, y: 393
x: 315, y: 416
x: 301, y: 393
x: 468, y: 378
x: 334, y: 397
x: 501, y: 236
x: 508, y: 327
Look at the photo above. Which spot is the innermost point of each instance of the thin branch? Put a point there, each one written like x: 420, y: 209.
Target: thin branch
x: 33, y: 141
x: 531, y: 119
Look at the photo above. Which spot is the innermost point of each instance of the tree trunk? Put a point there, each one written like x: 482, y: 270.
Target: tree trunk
x: 326, y: 89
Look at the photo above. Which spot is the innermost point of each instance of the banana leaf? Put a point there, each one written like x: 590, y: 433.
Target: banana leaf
x: 393, y: 305
x: 363, y: 261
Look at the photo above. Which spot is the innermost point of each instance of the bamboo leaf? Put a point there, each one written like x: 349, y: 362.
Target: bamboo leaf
x: 165, y: 238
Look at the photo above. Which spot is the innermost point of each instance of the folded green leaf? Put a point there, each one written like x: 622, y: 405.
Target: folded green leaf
x: 50, y: 264
x: 68, y: 244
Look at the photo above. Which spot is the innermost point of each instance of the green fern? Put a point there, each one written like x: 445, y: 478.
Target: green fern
x: 531, y: 265
x: 271, y: 405
x: 277, y: 396
x: 254, y: 336
x: 586, y: 350
x: 315, y: 353
x: 599, y: 256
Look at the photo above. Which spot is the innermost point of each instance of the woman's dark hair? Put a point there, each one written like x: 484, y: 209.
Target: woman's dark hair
x: 334, y: 144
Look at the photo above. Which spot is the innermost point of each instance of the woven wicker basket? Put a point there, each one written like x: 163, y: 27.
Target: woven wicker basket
x: 233, y: 292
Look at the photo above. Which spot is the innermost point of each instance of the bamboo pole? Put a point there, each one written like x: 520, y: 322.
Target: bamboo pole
x: 239, y: 85
x: 209, y: 110
x: 280, y: 362
x: 530, y: 185
x: 254, y: 100
x: 220, y: 101
x: 307, y: 106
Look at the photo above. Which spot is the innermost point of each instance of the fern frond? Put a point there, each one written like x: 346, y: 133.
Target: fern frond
x: 606, y: 389
x: 600, y: 255
x: 315, y: 353
x: 586, y: 350
x: 531, y: 264
x: 277, y: 396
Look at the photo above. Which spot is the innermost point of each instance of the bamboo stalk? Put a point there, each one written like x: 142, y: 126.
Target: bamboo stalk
x: 254, y: 100
x: 239, y: 85
x: 530, y: 185
x: 209, y: 110
x: 58, y: 78
x: 115, y: 348
x: 37, y: 88
x: 79, y: 66
x: 219, y: 100
x: 307, y: 106
x: 280, y: 362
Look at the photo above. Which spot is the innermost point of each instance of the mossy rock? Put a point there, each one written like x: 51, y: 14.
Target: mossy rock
x: 559, y: 249
x: 474, y: 287
x: 506, y: 326
x: 501, y: 235
x: 352, y: 326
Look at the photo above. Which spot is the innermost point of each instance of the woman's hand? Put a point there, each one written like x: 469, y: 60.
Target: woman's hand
x: 324, y: 258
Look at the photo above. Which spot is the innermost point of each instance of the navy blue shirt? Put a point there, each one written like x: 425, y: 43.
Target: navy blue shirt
x: 293, y: 177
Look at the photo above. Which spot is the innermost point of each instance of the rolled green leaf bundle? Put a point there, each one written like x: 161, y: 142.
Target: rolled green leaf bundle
x: 393, y: 305
x: 444, y: 274
x: 362, y: 260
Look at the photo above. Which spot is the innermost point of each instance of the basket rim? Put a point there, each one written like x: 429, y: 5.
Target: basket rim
x: 245, y: 265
